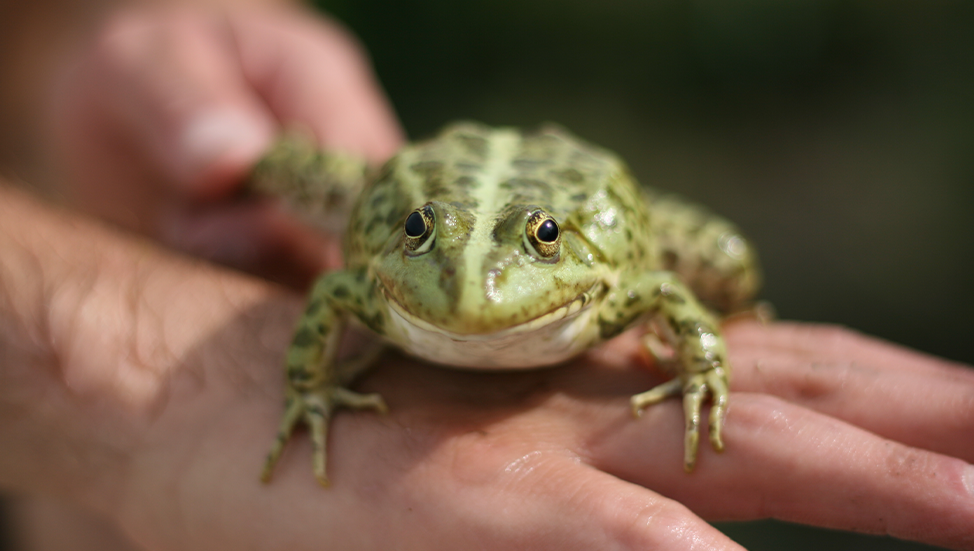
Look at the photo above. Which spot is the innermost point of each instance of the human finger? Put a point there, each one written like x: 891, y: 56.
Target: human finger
x: 886, y: 389
x: 818, y: 342
x: 787, y: 462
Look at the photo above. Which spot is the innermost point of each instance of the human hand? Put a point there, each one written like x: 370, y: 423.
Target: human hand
x: 126, y: 144
x: 148, y: 389
x: 162, y: 117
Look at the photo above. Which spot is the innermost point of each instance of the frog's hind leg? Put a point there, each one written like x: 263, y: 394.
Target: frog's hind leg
x: 707, y: 251
x: 319, y: 186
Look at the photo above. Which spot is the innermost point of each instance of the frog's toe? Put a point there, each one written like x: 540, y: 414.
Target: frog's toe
x: 639, y: 402
x: 717, y: 383
x: 694, y: 391
x: 317, y: 412
x: 292, y: 413
x: 354, y: 400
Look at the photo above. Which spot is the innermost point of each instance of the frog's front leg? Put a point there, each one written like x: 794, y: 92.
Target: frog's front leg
x: 694, y: 334
x: 315, y: 384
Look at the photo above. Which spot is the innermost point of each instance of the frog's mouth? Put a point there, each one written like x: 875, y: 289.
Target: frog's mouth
x: 558, y: 316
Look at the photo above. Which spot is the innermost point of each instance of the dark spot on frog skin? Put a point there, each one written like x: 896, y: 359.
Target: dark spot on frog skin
x: 392, y: 218
x: 677, y: 328
x: 466, y: 182
x: 475, y: 145
x: 374, y: 322
x: 675, y: 298
x: 341, y: 291
x: 528, y: 164
x: 670, y: 260
x: 469, y: 204
x: 568, y: 175
x: 305, y: 337
x: 313, y: 307
x: 427, y: 169
x: 297, y: 374
x: 579, y: 197
x: 527, y: 184
x: 373, y: 222
x: 609, y: 329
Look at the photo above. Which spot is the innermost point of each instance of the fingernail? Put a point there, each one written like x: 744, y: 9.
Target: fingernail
x: 221, y: 137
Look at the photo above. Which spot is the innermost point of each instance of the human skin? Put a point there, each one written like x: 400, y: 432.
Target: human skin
x: 146, y: 386
x: 163, y: 385
x: 156, y: 123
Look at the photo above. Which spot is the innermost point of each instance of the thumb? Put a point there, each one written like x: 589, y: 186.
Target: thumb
x: 312, y: 72
x: 176, y: 84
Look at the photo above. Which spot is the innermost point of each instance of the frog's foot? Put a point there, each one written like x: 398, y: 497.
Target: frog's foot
x: 315, y: 407
x: 694, y: 387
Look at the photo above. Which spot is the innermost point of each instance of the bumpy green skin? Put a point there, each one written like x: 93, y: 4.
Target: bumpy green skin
x: 478, y: 293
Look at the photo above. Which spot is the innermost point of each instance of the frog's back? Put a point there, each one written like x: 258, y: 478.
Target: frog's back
x: 483, y: 171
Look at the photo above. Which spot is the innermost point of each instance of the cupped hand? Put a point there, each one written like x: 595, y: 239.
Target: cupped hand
x: 158, y: 121
x: 160, y: 389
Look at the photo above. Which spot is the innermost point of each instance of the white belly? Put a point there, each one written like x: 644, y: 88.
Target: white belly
x: 513, y: 348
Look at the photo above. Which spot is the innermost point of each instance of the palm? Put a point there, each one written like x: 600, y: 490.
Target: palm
x: 527, y: 459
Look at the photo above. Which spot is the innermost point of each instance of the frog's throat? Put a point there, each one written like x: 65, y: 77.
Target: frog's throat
x: 566, y: 311
x: 549, y: 339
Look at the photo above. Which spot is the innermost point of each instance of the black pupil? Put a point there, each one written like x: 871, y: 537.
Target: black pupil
x: 415, y: 225
x: 548, y: 231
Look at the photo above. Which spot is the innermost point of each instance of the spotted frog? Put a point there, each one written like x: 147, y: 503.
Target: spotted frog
x: 496, y: 248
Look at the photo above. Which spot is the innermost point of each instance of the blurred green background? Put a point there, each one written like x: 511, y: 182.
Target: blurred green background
x: 839, y: 135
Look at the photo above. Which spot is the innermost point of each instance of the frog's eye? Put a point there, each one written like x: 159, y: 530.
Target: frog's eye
x: 543, y: 234
x: 418, y: 230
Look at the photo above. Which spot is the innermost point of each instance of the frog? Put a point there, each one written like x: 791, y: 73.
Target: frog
x: 500, y: 248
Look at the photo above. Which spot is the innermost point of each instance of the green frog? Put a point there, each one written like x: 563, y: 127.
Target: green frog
x: 495, y: 248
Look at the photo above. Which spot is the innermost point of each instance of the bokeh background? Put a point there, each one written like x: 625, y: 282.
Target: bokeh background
x: 838, y: 134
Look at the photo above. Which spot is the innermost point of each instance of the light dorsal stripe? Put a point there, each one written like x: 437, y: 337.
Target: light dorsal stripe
x: 490, y: 198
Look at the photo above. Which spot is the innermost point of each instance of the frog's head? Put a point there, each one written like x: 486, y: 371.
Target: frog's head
x: 516, y: 270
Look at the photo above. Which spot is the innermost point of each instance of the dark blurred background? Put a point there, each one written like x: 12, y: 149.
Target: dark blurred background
x: 838, y: 134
